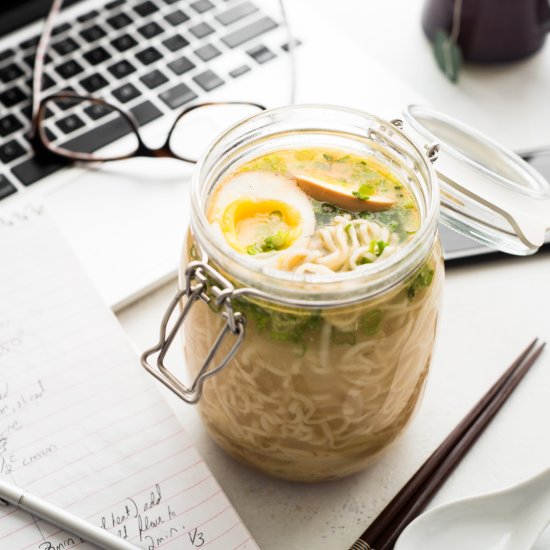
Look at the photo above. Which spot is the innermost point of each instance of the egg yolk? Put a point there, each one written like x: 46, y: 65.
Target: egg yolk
x: 254, y: 227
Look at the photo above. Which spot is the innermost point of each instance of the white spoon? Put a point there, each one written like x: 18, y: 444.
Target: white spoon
x: 511, y: 519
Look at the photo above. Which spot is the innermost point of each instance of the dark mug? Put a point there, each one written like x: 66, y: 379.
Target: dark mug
x: 491, y: 31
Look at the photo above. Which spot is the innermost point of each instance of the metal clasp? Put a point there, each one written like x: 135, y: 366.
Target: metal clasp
x: 432, y: 151
x: 202, y: 282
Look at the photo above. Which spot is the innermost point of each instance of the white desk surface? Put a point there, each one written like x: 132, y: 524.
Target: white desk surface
x: 490, y: 312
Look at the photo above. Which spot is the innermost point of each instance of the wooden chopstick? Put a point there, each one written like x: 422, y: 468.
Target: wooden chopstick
x: 426, y: 493
x: 418, y: 491
x: 426, y: 470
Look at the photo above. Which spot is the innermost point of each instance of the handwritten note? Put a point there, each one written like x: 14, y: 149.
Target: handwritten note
x: 81, y: 424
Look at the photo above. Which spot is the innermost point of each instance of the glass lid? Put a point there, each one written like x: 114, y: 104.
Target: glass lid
x: 488, y: 193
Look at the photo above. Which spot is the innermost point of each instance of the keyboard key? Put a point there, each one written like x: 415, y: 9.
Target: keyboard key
x: 249, y: 32
x: 145, y: 8
x: 126, y: 93
x: 65, y: 46
x: 27, y: 135
x: 145, y: 112
x: 200, y: 6
x: 6, y: 188
x: 11, y: 151
x: 177, y: 96
x: 150, y: 30
x: 124, y: 42
x: 295, y: 43
x: 175, y: 43
x: 96, y: 111
x: 9, y: 124
x: 6, y: 54
x: 12, y: 97
x: 176, y: 18
x: 93, y: 33
x: 47, y: 82
x: 93, y: 83
x: 99, y: 137
x: 87, y: 16
x: 149, y: 55
x: 96, y: 56
x: 49, y: 113
x: 65, y: 105
x: 208, y: 52
x: 30, y: 42
x: 64, y: 27
x: 119, y: 21
x: 102, y: 135
x: 181, y: 65
x: 208, y: 80
x: 10, y: 72
x: 235, y: 14
x: 69, y: 124
x: 26, y: 112
x: 50, y: 135
x: 261, y: 54
x: 153, y: 79
x: 201, y: 30
x: 36, y: 168
x: 29, y: 59
x: 69, y: 69
x: 121, y: 69
x: 238, y: 71
x: 114, y: 4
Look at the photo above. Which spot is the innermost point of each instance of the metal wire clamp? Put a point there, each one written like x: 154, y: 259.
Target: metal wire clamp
x: 199, y: 278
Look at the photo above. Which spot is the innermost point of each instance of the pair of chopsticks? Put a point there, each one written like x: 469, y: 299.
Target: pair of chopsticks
x: 421, y: 488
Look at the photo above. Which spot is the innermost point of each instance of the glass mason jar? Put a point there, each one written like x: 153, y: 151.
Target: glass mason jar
x: 309, y: 377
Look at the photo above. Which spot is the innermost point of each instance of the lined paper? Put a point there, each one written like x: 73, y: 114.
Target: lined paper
x: 81, y: 423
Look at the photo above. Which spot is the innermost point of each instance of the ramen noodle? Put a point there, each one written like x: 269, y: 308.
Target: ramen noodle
x: 316, y: 394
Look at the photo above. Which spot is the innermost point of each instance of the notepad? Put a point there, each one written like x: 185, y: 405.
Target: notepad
x: 81, y: 424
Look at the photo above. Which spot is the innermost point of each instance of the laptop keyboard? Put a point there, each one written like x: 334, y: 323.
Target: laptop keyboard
x: 148, y: 57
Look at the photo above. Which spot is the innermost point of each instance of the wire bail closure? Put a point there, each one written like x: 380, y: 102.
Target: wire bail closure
x: 199, y: 278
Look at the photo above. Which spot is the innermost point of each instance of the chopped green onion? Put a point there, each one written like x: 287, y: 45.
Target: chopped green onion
x: 273, y: 242
x: 370, y: 322
x: 364, y: 192
x: 422, y: 280
x: 379, y: 247
x: 345, y: 158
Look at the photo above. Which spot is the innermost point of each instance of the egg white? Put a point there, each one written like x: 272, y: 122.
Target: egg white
x: 261, y: 186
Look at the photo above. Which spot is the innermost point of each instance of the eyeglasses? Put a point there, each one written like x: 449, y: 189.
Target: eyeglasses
x: 120, y: 138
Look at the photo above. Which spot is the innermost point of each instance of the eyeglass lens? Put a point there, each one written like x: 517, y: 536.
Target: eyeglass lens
x: 197, y: 129
x: 117, y: 138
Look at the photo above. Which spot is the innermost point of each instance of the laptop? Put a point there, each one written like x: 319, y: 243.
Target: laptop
x: 126, y: 220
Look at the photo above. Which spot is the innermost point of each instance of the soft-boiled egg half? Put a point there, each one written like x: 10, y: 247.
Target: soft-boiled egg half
x: 259, y: 213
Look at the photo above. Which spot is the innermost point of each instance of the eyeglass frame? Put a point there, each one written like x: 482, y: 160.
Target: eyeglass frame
x: 41, y: 143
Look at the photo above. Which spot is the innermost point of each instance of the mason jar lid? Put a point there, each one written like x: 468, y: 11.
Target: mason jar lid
x: 488, y: 193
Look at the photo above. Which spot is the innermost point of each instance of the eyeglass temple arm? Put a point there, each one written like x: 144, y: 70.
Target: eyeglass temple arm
x: 40, y: 55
